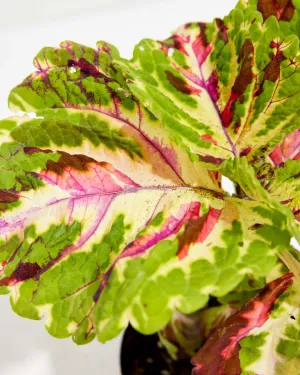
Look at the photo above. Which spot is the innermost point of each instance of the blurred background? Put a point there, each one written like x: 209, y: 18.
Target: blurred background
x: 25, y: 27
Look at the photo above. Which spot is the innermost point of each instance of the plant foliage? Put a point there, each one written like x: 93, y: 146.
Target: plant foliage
x: 111, y: 205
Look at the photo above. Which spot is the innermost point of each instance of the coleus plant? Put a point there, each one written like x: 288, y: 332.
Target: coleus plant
x: 111, y: 201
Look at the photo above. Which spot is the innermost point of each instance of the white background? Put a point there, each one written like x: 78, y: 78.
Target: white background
x: 25, y: 27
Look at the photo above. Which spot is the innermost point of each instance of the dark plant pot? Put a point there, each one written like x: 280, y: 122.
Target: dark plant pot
x: 144, y: 355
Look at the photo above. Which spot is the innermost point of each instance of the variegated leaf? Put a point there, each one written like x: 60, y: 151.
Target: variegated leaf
x: 261, y: 338
x: 77, y: 77
x: 94, y: 245
x: 234, y: 82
